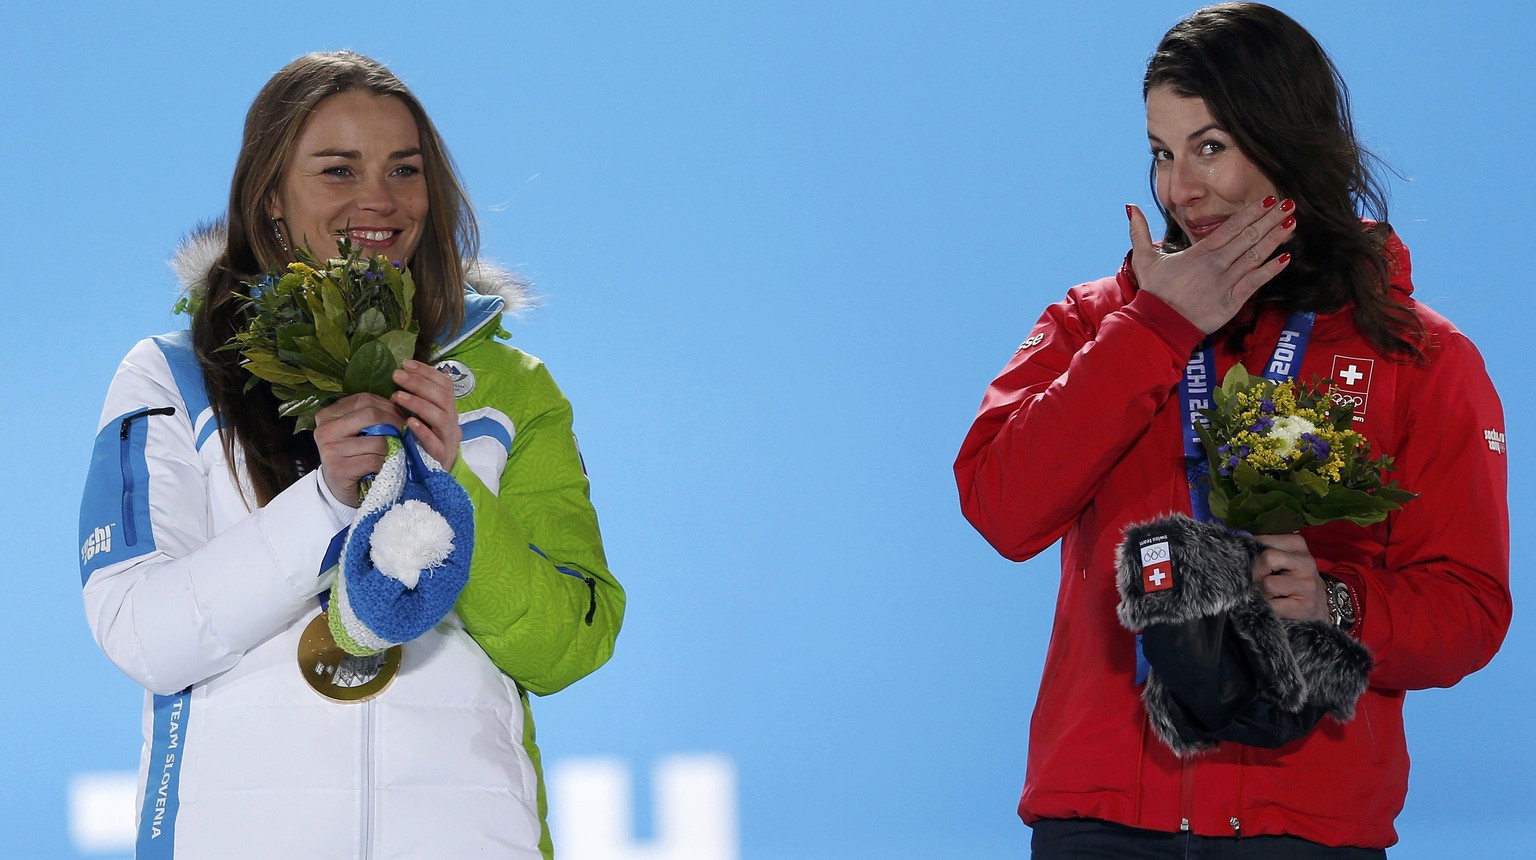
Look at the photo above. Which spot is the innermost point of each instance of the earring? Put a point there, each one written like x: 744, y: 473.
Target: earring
x: 277, y: 230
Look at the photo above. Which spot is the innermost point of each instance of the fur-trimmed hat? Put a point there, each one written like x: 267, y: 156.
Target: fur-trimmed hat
x: 1224, y: 667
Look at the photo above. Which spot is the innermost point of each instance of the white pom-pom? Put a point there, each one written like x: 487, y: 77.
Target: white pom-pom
x: 408, y: 539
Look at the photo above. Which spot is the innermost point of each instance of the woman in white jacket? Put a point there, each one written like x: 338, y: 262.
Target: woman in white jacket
x: 206, y: 519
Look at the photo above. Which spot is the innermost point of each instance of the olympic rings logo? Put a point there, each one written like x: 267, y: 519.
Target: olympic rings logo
x: 1355, y: 400
x: 1154, y: 554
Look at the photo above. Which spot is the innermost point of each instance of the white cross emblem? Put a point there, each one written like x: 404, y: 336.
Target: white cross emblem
x: 1351, y: 375
x: 1158, y: 577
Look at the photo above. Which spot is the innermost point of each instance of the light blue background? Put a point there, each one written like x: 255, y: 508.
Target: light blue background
x: 784, y: 247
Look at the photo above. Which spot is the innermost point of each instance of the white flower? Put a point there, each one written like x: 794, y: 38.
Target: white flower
x: 409, y: 539
x: 1288, y: 431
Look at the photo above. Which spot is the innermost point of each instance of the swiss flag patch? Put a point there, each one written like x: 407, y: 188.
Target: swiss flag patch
x: 1158, y: 577
x: 1156, y: 565
x: 1352, y: 383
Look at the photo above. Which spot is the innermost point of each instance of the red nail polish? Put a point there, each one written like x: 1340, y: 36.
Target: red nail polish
x: 1127, y: 211
x: 1288, y: 223
x: 1269, y: 201
x: 1287, y: 205
x: 1284, y: 258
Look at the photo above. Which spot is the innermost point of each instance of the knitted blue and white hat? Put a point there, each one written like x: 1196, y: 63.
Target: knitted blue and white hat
x: 406, y: 556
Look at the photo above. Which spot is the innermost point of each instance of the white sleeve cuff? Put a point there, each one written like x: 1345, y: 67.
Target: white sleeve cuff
x: 341, y: 514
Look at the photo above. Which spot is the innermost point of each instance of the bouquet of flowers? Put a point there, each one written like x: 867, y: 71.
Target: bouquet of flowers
x: 1283, y: 456
x: 318, y: 333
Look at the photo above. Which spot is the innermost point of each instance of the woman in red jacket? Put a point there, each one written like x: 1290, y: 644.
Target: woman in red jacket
x: 1262, y: 186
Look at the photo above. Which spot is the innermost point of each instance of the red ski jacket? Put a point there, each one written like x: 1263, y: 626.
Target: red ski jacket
x: 1080, y: 436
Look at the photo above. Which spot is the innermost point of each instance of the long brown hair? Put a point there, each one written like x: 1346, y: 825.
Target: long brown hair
x: 1269, y: 83
x: 274, y: 456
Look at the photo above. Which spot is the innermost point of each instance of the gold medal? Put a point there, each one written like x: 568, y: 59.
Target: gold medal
x: 339, y: 676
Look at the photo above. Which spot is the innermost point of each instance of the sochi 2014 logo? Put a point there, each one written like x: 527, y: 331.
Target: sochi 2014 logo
x: 99, y: 541
x: 1495, y: 440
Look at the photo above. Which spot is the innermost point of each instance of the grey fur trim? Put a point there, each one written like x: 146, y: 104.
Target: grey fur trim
x: 196, y: 255
x: 1336, y: 666
x: 200, y: 249
x: 1212, y: 567
x: 1265, y: 633
x: 1307, y: 666
x: 494, y: 279
x: 1162, y: 708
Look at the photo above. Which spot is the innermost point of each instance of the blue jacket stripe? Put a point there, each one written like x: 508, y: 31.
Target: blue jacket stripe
x: 488, y: 427
x: 560, y: 567
x: 188, y: 374
x: 114, y: 511
x: 162, y: 793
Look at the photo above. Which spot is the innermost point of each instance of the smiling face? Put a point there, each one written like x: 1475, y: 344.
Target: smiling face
x: 1202, y: 177
x: 356, y: 168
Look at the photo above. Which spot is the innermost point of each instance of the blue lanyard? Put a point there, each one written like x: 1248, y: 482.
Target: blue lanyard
x: 1195, y: 394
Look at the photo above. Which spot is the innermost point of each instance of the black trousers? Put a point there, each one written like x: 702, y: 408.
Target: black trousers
x: 1091, y: 839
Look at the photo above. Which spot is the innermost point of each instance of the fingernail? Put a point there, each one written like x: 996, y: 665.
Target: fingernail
x: 1284, y: 258
x: 1288, y: 223
x: 1287, y: 205
x: 1269, y: 201
x: 1127, y: 211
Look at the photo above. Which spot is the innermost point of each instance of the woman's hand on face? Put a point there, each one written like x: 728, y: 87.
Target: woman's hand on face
x: 1287, y: 576
x: 345, y: 457
x: 1210, y: 281
x: 426, y: 396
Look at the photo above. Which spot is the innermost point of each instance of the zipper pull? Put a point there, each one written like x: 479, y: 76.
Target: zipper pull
x: 127, y: 425
x: 1237, y: 827
x: 1184, y: 824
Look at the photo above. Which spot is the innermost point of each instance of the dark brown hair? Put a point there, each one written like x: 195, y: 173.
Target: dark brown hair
x: 1275, y: 90
x: 274, y: 456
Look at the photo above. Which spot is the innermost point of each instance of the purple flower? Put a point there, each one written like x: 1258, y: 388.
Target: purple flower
x: 1318, y: 447
x: 1229, y: 460
x: 1262, y: 425
x: 1267, y: 406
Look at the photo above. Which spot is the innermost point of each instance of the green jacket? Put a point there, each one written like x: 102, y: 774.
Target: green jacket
x: 540, y: 599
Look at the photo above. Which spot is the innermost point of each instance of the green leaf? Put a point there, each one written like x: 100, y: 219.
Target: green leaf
x: 1244, y: 475
x: 273, y: 370
x: 310, y: 353
x: 333, y: 337
x: 1207, y: 441
x: 401, y: 345
x: 323, y: 381
x: 1310, y: 481
x: 1236, y: 380
x: 1219, y: 503
x: 1272, y: 512
x: 370, y: 370
x: 370, y: 324
x: 405, y: 294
